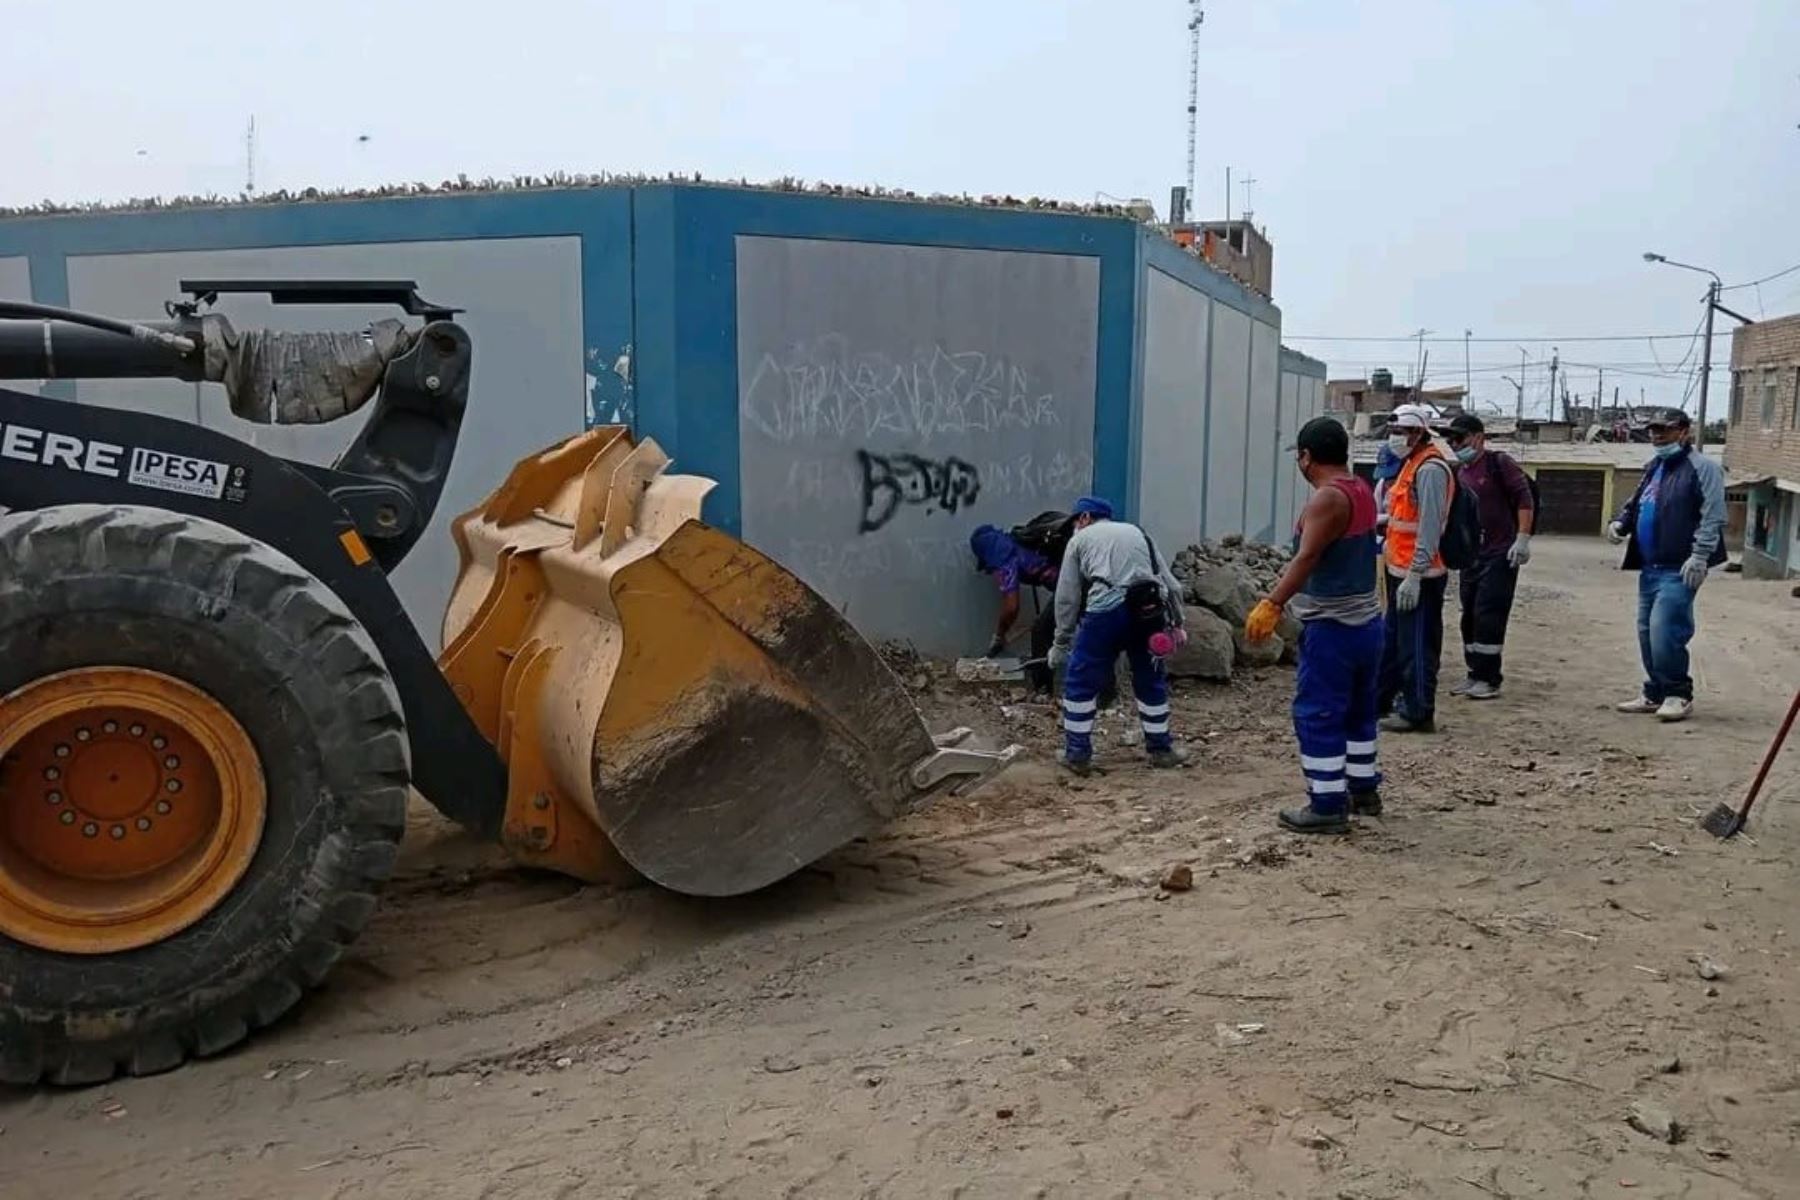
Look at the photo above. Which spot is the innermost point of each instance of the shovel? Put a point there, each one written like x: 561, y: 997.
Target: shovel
x: 1724, y: 821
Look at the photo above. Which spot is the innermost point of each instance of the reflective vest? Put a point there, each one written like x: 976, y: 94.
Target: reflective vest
x: 1403, y: 512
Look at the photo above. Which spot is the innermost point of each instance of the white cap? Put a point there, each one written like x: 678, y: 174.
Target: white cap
x: 1413, y: 416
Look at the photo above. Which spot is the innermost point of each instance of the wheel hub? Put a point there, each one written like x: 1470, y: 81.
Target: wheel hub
x: 130, y: 804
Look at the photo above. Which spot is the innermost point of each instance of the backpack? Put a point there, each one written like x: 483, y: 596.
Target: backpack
x: 1145, y: 600
x: 1461, y: 544
x: 1048, y: 534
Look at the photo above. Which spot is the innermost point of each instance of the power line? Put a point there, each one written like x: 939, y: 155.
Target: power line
x: 1414, y: 338
x: 1730, y: 287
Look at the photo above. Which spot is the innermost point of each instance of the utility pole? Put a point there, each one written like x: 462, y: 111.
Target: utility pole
x: 1194, y: 21
x: 250, y: 157
x: 1249, y: 199
x: 1524, y: 355
x: 1554, y: 357
x: 1468, y: 389
x: 1712, y: 302
x: 1419, y: 364
x: 1599, y: 392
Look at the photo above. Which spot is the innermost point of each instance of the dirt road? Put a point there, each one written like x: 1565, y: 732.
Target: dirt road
x: 1462, y: 1000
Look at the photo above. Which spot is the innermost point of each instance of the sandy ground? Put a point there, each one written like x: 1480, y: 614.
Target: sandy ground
x: 1464, y: 999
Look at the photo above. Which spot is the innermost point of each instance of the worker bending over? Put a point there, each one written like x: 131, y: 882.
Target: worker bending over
x: 1012, y: 566
x: 1330, y: 586
x: 1130, y: 595
x: 1418, y: 506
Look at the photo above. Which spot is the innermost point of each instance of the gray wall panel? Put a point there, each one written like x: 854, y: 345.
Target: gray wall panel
x: 891, y: 398
x: 523, y: 297
x: 1173, y: 476
x: 15, y: 279
x: 1261, y: 445
x: 1226, y: 458
x: 1285, y: 475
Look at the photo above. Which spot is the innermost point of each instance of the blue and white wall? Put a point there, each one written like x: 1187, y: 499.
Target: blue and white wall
x: 867, y: 380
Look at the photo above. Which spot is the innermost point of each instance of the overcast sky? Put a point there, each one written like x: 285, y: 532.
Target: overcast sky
x: 1498, y: 166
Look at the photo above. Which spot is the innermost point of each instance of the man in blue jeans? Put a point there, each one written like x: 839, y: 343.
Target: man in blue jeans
x: 1674, y: 525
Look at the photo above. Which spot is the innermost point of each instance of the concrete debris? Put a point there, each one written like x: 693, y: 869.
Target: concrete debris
x: 1178, y: 878
x: 1257, y: 654
x: 566, y: 181
x: 1654, y: 1120
x: 1210, y: 651
x: 1226, y: 578
x: 1669, y: 1066
x: 1707, y: 968
x: 989, y: 670
x: 1259, y: 565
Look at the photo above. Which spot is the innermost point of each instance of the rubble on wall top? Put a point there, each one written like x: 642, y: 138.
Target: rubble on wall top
x: 555, y: 181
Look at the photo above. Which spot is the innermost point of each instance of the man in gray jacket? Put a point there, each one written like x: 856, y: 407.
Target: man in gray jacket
x: 1108, y: 568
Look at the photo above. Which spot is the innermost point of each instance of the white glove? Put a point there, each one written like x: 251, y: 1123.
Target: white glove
x: 1615, y: 533
x: 1406, y: 597
x: 1693, y: 573
x: 1520, y: 554
x: 1057, y: 657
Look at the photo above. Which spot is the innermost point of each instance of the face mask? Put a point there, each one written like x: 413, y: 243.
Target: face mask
x: 1400, y: 444
x: 1668, y: 451
x: 1466, y: 454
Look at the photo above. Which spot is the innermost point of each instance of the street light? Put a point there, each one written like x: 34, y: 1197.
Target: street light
x: 1518, y: 419
x: 1712, y: 302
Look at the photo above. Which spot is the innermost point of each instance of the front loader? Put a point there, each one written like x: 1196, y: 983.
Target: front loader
x: 212, y: 705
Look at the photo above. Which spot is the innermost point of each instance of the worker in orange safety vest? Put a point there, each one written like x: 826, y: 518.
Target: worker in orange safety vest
x: 1418, y: 508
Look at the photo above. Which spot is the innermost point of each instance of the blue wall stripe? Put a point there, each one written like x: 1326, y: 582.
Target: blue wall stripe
x: 658, y: 279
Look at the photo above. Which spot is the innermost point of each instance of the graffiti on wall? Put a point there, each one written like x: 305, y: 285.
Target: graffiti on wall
x: 891, y: 480
x: 822, y: 389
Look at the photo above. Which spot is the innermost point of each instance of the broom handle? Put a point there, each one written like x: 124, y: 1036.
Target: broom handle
x: 1769, y: 758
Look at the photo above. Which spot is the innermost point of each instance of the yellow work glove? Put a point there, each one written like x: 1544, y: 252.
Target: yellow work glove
x: 1262, y: 621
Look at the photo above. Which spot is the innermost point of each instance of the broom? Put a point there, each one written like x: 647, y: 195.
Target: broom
x: 1724, y: 821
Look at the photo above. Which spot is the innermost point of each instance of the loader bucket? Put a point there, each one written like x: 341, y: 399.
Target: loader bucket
x: 669, y: 701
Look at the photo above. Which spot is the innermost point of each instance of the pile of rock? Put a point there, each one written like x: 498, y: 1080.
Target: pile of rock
x: 1221, y: 582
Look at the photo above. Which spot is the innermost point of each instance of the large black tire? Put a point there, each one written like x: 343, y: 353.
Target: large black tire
x: 91, y: 585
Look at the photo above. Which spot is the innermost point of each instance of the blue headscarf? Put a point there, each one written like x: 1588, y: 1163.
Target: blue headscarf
x: 1094, y: 506
x: 993, y: 548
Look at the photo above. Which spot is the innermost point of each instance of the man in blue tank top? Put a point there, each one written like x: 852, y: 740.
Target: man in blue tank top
x: 1330, y: 587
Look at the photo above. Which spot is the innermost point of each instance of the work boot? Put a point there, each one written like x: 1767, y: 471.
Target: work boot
x: 1365, y: 804
x: 1397, y: 723
x: 1076, y: 766
x: 1174, y: 756
x: 1311, y: 820
x: 1643, y: 704
x: 1481, y: 689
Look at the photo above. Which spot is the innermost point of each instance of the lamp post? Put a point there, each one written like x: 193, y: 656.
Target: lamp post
x: 1712, y: 302
x: 1519, y: 413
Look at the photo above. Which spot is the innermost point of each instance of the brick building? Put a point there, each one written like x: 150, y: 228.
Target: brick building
x: 1762, y: 442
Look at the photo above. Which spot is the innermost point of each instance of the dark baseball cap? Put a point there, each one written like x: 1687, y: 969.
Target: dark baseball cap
x: 1667, y: 418
x: 1464, y: 425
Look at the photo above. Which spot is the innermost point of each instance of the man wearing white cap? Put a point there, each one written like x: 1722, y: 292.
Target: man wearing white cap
x: 1418, y: 507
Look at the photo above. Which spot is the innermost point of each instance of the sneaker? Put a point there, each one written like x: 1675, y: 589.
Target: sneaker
x: 1462, y: 689
x: 1675, y: 709
x: 1076, y: 766
x: 1174, y: 756
x: 1365, y: 804
x: 1310, y: 820
x: 1481, y: 689
x: 1640, y: 705
x: 1395, y: 723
